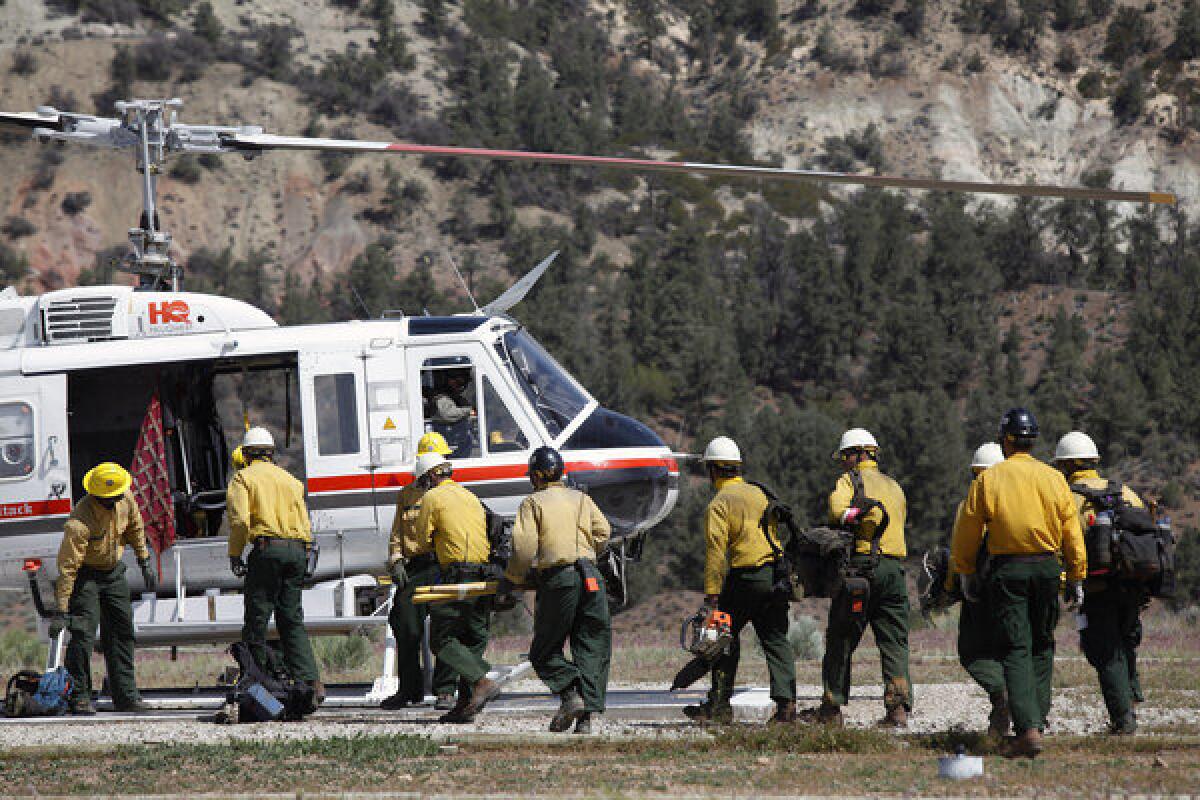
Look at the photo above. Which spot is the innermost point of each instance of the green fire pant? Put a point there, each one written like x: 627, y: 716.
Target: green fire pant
x: 408, y: 626
x: 887, y: 614
x: 977, y: 650
x: 459, y: 635
x: 1024, y: 600
x: 566, y: 610
x: 274, y: 580
x: 1110, y: 640
x: 101, y: 597
x: 746, y: 596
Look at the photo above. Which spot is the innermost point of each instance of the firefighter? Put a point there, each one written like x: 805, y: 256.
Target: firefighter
x: 976, y: 629
x: 1031, y: 518
x: 453, y: 525
x: 92, y: 588
x: 267, y: 511
x: 1111, y: 625
x: 407, y: 619
x: 739, y: 579
x: 872, y: 505
x: 564, y: 532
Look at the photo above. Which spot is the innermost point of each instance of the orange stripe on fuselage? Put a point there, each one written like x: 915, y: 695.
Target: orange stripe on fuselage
x: 393, y: 480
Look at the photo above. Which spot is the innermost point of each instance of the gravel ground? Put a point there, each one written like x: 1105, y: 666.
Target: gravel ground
x: 939, y: 707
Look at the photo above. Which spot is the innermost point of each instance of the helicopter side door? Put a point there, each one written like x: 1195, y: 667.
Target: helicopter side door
x: 35, y: 470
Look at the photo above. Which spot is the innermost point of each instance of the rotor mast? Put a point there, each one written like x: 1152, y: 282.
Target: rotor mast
x: 150, y: 258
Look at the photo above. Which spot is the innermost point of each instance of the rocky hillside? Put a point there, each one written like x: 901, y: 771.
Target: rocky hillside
x: 939, y: 100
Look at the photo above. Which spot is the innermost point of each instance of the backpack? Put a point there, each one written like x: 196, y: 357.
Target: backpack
x: 1125, y: 542
x: 264, y: 693
x: 500, y: 539
x: 32, y: 694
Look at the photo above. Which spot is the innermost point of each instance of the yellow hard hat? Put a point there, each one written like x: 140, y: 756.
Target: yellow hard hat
x: 433, y: 442
x: 107, y: 480
x: 237, y: 457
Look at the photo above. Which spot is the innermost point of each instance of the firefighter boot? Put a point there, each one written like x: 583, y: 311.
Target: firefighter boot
x: 1027, y: 745
x: 1000, y: 720
x: 785, y: 712
x: 570, y: 710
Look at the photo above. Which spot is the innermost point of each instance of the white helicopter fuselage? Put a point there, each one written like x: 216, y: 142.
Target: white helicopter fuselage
x: 79, y: 369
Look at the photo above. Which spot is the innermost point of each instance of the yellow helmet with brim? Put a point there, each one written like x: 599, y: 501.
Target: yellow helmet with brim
x: 107, y: 480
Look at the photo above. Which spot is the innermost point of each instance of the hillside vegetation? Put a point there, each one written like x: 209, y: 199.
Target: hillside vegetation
x: 775, y: 313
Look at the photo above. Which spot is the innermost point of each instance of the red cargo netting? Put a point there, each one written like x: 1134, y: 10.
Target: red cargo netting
x: 151, y: 487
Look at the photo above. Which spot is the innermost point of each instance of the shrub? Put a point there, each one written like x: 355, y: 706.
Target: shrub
x: 24, y: 63
x: 342, y: 653
x: 1067, y: 60
x: 14, y: 266
x: 76, y: 202
x: 21, y: 650
x: 1129, y: 100
x: 186, y: 169
x: 1129, y: 34
x: 1091, y: 85
x: 806, y: 638
x: 18, y: 227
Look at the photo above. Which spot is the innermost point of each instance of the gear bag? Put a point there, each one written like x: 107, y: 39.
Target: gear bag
x: 33, y: 694
x: 500, y: 540
x: 777, y: 514
x: 265, y: 692
x: 821, y: 556
x: 1125, y: 542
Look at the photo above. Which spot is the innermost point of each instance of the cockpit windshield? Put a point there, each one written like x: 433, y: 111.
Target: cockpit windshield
x: 557, y: 398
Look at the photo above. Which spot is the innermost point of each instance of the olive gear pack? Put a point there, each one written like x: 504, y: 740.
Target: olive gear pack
x: 34, y: 694
x: 500, y: 540
x: 821, y: 556
x: 931, y: 583
x: 266, y: 692
x: 1126, y: 543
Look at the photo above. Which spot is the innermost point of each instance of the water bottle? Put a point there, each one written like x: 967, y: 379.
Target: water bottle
x: 1102, y: 541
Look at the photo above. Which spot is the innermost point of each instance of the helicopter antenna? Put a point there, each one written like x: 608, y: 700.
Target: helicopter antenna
x: 467, y: 288
x: 362, y: 303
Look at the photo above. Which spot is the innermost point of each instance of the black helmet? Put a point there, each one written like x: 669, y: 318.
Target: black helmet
x: 1020, y: 423
x: 546, y: 465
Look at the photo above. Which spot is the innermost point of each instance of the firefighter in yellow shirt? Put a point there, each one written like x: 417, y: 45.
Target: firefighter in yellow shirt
x: 92, y: 588
x: 267, y: 512
x: 562, y: 531
x: 453, y: 526
x: 1111, y: 612
x: 407, y: 619
x: 872, y: 505
x: 739, y: 579
x: 1030, y: 518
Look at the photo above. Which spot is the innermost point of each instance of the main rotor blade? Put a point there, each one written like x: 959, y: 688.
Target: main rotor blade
x: 50, y: 118
x: 258, y: 142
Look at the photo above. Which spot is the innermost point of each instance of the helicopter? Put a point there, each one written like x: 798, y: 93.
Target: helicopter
x: 135, y: 375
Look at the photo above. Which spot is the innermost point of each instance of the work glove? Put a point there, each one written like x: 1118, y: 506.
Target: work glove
x: 969, y: 584
x: 850, y: 515
x: 506, y: 598
x: 237, y: 566
x: 399, y: 574
x: 57, y: 625
x: 1073, y: 595
x: 149, y: 576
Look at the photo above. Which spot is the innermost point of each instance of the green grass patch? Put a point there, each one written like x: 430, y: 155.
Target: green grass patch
x: 805, y: 739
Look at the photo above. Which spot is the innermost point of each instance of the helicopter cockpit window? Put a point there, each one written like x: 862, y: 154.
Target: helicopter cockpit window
x: 550, y: 390
x: 504, y: 435
x: 448, y: 393
x: 337, y: 414
x: 16, y: 440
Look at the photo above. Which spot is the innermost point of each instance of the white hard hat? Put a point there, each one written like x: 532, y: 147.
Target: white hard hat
x: 857, y: 437
x: 1076, y: 445
x: 987, y: 455
x: 428, y: 461
x: 723, y: 449
x: 258, y: 438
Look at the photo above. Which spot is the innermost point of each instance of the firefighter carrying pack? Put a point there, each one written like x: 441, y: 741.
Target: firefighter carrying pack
x: 1125, y: 542
x: 821, y: 557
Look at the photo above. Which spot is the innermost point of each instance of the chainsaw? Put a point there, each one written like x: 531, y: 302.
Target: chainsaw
x: 707, y: 635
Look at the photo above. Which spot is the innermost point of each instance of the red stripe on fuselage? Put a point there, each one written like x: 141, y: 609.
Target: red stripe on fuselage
x: 394, y: 480
x: 34, y: 508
